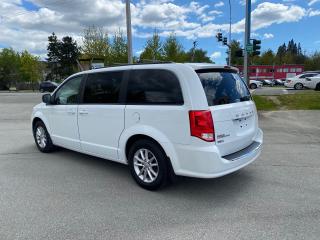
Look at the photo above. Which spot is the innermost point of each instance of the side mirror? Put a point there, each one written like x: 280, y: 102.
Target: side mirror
x: 46, y: 98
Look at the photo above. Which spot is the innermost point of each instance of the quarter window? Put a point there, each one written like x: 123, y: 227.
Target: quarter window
x: 103, y: 87
x: 150, y: 86
x: 69, y: 92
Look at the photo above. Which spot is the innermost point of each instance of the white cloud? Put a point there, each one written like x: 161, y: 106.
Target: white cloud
x: 313, y: 13
x: 215, y: 55
x: 255, y: 35
x: 311, y: 2
x: 22, y: 29
x: 268, y: 35
x: 268, y: 13
x: 219, y: 4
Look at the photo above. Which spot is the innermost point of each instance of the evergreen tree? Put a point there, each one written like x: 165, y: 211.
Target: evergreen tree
x: 54, y: 55
x: 200, y: 55
x: 173, y: 50
x: 153, y: 49
x: 69, y: 53
x: 62, y: 56
x: 235, y: 46
x: 119, y: 50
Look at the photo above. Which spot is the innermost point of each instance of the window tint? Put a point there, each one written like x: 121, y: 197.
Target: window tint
x: 103, y: 87
x: 69, y: 92
x: 154, y: 87
x: 223, y: 87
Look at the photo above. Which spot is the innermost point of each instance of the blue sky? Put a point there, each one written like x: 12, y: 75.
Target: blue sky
x: 26, y: 24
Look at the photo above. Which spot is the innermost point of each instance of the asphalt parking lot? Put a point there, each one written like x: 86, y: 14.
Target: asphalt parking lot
x: 67, y: 195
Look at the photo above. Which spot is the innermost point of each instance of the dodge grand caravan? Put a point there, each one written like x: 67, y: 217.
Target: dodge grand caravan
x: 195, y: 120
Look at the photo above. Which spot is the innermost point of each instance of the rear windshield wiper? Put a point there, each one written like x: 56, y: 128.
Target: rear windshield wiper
x: 245, y: 98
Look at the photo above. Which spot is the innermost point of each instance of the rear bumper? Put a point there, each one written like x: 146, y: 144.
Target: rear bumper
x: 206, y: 162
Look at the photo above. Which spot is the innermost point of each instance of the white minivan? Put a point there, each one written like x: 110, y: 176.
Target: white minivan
x: 162, y: 120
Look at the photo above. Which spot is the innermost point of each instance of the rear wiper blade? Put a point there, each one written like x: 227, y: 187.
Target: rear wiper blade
x: 245, y: 98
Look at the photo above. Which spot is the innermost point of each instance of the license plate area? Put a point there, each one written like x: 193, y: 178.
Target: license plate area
x: 243, y: 123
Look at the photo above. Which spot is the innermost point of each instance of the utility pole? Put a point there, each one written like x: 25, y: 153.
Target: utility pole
x: 193, y: 50
x: 247, y: 41
x: 230, y: 33
x: 129, y: 33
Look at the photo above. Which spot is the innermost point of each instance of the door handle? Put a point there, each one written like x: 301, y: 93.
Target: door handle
x: 83, y: 112
x: 72, y: 112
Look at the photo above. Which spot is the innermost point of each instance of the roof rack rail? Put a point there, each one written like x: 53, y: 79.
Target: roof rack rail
x: 140, y: 62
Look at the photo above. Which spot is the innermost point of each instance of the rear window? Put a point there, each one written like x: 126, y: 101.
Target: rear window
x: 154, y: 86
x: 223, y: 86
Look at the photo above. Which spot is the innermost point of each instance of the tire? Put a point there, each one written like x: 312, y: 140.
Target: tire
x: 298, y: 86
x: 158, y: 168
x: 317, y: 87
x: 253, y: 86
x: 41, y: 90
x: 42, y: 138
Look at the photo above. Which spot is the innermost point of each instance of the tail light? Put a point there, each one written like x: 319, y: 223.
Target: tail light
x: 201, y: 125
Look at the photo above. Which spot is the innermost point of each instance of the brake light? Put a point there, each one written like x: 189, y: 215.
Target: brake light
x: 201, y: 125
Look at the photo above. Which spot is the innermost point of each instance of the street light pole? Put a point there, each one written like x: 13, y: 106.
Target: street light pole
x: 247, y: 41
x: 230, y: 33
x: 129, y: 33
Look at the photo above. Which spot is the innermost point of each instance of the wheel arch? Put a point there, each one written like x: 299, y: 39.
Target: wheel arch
x: 129, y: 136
x: 38, y: 116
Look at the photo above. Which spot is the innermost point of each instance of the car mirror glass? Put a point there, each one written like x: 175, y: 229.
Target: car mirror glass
x: 46, y: 98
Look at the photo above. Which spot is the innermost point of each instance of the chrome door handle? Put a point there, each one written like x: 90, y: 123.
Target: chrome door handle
x: 83, y: 112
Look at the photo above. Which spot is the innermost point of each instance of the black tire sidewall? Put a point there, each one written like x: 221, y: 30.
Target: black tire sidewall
x: 253, y: 86
x: 49, y: 146
x: 162, y: 177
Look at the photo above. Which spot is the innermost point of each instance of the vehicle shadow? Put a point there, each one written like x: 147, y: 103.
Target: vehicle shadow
x: 217, y: 191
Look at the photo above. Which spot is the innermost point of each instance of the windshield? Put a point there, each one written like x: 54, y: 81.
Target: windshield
x: 223, y: 87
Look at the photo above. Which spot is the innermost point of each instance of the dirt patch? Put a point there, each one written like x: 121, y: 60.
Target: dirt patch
x: 277, y: 102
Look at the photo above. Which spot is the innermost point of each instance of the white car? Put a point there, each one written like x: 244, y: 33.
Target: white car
x: 313, y: 82
x: 195, y: 120
x: 299, y: 82
x: 255, y: 84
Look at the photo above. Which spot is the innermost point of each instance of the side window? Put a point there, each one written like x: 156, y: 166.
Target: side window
x: 302, y: 76
x: 69, y: 92
x: 103, y: 87
x: 150, y: 86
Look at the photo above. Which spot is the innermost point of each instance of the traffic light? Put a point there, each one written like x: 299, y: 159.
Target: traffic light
x: 219, y: 37
x: 225, y: 41
x: 239, y: 53
x: 256, y: 47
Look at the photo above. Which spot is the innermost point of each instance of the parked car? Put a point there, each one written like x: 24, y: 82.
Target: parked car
x: 278, y: 82
x: 195, y: 120
x: 47, y: 86
x: 313, y: 82
x: 255, y: 84
x: 267, y: 82
x: 298, y: 82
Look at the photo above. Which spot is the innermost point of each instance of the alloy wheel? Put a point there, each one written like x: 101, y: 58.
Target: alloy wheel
x: 41, y: 137
x: 146, y: 165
